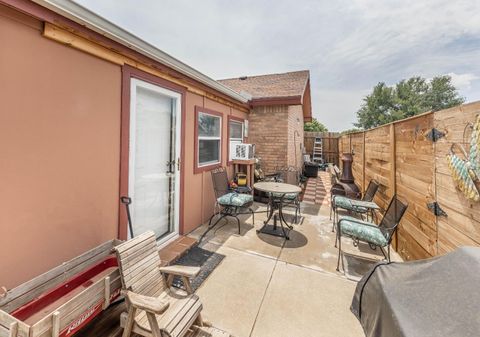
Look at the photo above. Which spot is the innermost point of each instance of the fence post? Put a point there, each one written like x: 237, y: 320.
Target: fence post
x: 393, y: 159
x: 393, y: 178
x: 364, y: 160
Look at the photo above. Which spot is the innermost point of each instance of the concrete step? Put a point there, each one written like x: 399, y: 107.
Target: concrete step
x: 175, y: 250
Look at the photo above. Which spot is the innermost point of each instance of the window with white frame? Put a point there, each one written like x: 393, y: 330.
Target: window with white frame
x: 236, y: 132
x: 209, y: 139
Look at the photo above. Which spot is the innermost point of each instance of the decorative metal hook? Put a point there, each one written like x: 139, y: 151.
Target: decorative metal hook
x: 460, y: 147
x: 468, y: 126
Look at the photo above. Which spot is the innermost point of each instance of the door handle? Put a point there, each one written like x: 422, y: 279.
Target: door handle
x: 170, y: 164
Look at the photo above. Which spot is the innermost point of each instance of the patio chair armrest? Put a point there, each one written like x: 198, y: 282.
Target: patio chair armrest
x: 358, y: 208
x: 358, y: 222
x: 178, y: 270
x: 147, y: 303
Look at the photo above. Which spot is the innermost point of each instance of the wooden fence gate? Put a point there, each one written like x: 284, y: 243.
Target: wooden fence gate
x: 330, y: 145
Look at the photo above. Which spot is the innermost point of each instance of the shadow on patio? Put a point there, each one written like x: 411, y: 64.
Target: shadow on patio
x: 268, y: 286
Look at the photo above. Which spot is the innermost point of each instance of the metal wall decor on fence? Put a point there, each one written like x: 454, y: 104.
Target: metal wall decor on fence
x: 466, y: 171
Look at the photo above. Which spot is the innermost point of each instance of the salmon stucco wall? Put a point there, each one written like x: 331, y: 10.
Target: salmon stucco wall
x: 59, y: 145
x: 199, y: 197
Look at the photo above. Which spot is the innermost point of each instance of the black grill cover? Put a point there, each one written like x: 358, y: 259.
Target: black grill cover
x: 310, y: 169
x: 427, y: 298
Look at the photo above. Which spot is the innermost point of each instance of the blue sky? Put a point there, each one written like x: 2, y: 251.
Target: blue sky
x: 348, y: 46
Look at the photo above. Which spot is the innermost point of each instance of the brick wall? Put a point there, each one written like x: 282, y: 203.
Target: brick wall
x: 269, y: 131
x: 295, y: 136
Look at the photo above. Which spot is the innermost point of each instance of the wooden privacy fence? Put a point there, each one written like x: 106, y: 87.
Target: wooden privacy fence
x: 330, y: 144
x: 406, y: 161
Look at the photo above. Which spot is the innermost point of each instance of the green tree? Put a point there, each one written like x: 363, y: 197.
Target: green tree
x: 377, y: 108
x: 315, y: 126
x: 410, y: 96
x: 407, y: 98
x: 443, y: 94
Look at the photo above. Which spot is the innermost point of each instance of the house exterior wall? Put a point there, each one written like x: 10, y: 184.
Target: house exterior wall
x: 199, y: 196
x: 295, y: 136
x: 269, y: 132
x: 60, y: 135
x: 59, y: 140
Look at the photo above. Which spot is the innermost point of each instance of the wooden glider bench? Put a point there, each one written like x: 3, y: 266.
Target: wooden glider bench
x: 155, y: 308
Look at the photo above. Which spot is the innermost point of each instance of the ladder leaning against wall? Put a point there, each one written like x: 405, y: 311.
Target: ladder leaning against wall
x: 318, y: 150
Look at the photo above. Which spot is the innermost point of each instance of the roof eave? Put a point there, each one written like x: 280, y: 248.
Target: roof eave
x: 95, y: 22
x: 307, y: 106
x: 280, y: 100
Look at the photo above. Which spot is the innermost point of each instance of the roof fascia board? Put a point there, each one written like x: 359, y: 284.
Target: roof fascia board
x: 307, y: 117
x: 305, y: 86
x: 285, y: 100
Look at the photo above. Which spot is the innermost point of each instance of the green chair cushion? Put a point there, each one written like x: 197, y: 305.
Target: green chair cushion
x: 355, y: 228
x: 288, y: 196
x: 235, y: 199
x: 345, y: 203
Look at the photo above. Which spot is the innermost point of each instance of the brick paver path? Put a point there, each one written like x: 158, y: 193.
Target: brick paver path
x: 318, y: 189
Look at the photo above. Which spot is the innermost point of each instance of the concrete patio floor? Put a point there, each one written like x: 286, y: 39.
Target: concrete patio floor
x: 267, y: 286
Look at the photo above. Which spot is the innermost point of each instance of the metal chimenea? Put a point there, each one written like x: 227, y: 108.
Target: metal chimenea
x: 346, y: 185
x: 347, y: 174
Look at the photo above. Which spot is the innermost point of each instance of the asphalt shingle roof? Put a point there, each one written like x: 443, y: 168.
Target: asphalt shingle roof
x: 271, y: 85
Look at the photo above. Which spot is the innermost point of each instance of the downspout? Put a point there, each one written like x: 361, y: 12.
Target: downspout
x: 295, y: 145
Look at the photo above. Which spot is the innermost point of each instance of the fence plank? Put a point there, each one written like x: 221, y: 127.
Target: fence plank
x: 462, y: 226
x: 358, y: 150
x: 414, y: 172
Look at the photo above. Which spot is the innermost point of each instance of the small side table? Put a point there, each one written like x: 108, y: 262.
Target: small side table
x: 371, y: 207
x: 250, y: 168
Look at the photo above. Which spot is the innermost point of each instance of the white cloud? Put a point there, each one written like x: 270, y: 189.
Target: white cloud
x: 463, y: 81
x: 340, y: 104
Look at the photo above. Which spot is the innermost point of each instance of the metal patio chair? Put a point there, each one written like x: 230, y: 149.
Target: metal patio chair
x: 376, y: 236
x: 229, y: 202
x: 343, y: 202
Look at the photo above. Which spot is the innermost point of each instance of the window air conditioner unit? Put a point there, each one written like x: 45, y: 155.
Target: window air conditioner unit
x: 243, y: 151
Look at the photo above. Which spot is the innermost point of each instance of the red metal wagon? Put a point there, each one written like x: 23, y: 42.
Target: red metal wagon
x: 64, y: 299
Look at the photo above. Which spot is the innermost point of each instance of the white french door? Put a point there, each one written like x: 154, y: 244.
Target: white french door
x: 154, y: 159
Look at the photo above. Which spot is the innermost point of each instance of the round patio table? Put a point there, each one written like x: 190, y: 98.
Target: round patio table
x: 276, y: 194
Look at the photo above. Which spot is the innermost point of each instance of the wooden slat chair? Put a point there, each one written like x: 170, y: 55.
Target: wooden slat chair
x: 154, y: 309
x: 375, y: 236
x: 334, y: 173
